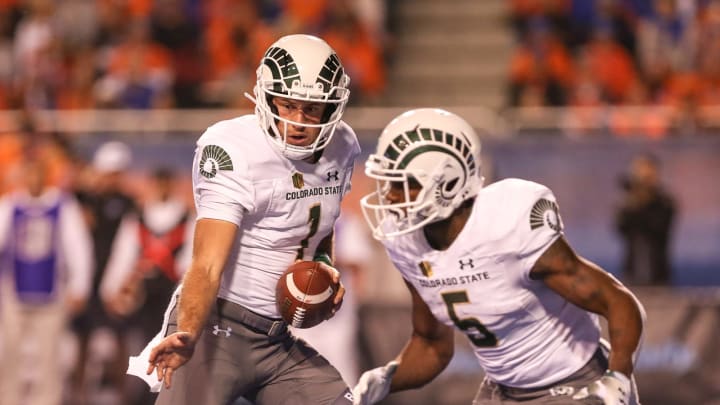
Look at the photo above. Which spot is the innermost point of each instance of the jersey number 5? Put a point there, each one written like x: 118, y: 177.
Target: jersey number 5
x: 478, y: 334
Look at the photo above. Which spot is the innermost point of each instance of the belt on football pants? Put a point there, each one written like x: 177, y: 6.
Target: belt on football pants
x: 256, y: 322
x: 598, y: 356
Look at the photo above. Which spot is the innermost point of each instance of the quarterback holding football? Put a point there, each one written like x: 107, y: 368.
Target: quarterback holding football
x: 267, y: 188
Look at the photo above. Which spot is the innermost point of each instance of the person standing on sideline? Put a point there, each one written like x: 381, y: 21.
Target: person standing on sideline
x: 149, y: 256
x: 46, y: 271
x: 644, y: 222
x: 492, y: 263
x: 150, y: 253
x: 267, y: 188
x: 105, y: 203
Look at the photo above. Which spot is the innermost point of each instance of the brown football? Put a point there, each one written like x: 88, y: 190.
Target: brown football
x: 304, y: 295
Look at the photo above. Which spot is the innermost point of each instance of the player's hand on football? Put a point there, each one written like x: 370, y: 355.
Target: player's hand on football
x: 335, y: 275
x: 171, y: 353
x: 613, y: 388
x: 374, y: 385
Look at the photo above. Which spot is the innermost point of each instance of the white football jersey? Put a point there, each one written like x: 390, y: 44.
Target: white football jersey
x: 524, y: 334
x: 283, y: 208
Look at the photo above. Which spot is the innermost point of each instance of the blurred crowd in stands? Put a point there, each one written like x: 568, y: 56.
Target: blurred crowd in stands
x: 132, y: 231
x: 616, y: 52
x: 84, y: 54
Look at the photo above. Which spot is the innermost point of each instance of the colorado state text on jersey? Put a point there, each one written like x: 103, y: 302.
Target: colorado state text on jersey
x: 447, y: 281
x: 327, y: 190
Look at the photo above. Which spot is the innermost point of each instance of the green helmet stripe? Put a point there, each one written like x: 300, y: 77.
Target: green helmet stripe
x: 414, y: 136
x: 282, y: 66
x: 427, y: 148
x: 331, y: 73
x: 404, y: 140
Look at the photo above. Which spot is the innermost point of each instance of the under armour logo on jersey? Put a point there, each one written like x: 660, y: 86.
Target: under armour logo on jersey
x: 214, y: 158
x: 545, y: 212
x: 469, y: 263
x: 333, y: 175
x: 217, y: 331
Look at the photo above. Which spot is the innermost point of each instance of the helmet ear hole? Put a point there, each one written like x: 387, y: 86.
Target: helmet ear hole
x: 329, y: 110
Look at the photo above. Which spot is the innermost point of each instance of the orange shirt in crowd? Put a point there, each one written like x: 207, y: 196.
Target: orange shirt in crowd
x: 679, y: 87
x: 75, y: 98
x: 6, y: 4
x: 526, y: 8
x: 58, y: 164
x: 556, y: 63
x: 11, y: 149
x: 141, y: 8
x: 78, y: 89
x: 361, y: 57
x: 306, y: 14
x: 139, y: 59
x: 613, y: 67
x: 225, y: 17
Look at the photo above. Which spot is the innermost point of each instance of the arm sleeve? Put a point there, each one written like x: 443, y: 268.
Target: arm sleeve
x: 123, y: 257
x: 77, y: 247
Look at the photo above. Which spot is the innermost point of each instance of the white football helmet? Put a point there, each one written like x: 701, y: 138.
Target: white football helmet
x: 436, y: 149
x: 305, y: 68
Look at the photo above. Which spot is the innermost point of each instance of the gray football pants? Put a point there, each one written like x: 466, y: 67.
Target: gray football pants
x: 491, y: 393
x: 240, y: 356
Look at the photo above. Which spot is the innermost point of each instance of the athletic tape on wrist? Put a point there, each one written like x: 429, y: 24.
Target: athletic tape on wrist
x: 323, y: 257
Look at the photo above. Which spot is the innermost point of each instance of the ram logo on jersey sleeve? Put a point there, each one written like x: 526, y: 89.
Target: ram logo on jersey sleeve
x: 214, y: 158
x: 545, y: 212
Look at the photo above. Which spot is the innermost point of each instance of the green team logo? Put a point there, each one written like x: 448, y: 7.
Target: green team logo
x: 545, y: 212
x: 214, y: 158
x: 297, y: 180
x: 426, y: 269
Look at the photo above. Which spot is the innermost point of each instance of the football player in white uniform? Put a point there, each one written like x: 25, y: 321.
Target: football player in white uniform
x: 267, y: 188
x: 493, y: 263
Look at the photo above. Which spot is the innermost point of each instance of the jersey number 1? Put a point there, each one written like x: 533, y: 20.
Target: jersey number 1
x: 314, y: 220
x: 478, y: 334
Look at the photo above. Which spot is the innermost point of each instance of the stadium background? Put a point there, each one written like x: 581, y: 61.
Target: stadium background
x: 466, y: 56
